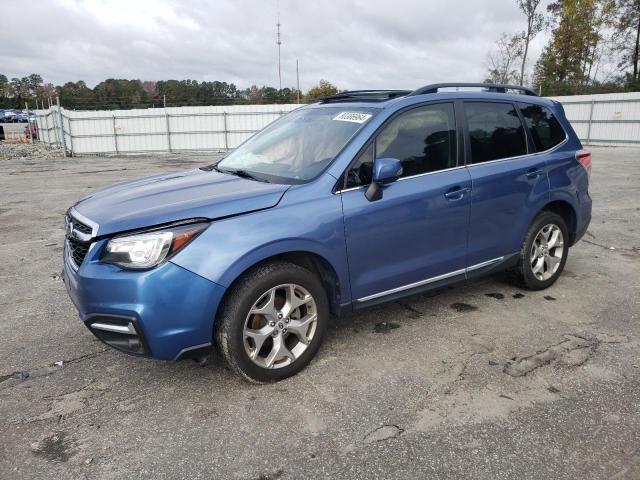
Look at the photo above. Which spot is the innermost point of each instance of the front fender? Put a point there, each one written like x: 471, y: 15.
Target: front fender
x: 289, y: 245
x: 304, y: 221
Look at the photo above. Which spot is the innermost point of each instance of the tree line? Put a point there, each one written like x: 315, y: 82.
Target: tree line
x: 126, y: 94
x: 593, y: 47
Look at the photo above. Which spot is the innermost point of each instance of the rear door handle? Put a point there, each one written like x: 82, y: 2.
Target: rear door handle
x: 534, y: 172
x: 455, y: 193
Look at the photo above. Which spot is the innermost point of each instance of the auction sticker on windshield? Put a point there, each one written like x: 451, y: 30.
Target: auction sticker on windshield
x: 355, y: 117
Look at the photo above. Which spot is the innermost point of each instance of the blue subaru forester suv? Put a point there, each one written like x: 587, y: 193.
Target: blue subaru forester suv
x: 362, y: 198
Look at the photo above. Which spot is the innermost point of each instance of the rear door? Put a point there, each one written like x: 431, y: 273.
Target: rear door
x: 509, y: 182
x: 416, y: 234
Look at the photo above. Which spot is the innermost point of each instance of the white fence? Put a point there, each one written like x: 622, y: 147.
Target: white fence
x: 608, y: 119
x: 176, y: 129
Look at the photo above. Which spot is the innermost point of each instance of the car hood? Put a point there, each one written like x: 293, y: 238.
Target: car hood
x: 172, y: 197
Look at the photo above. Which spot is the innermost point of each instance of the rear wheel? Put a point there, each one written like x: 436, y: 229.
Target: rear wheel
x: 272, y: 322
x: 544, y: 252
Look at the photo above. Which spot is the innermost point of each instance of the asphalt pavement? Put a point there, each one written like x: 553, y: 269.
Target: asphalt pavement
x: 482, y: 380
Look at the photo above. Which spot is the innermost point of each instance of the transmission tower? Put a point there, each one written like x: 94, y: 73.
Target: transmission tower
x: 279, y: 42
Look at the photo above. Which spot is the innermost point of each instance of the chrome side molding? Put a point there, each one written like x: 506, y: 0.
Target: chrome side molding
x: 455, y: 273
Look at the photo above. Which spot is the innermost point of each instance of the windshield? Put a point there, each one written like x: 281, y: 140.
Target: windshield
x: 297, y: 147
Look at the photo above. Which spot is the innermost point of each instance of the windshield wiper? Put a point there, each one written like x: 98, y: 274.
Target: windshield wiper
x: 241, y: 173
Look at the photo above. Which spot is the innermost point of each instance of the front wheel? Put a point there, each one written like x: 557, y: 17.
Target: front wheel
x: 272, y: 322
x: 544, y: 252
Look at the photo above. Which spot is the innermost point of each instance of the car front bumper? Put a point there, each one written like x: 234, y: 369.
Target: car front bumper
x: 162, y: 313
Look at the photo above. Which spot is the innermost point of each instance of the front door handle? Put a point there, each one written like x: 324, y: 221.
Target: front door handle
x: 455, y: 193
x: 534, y: 172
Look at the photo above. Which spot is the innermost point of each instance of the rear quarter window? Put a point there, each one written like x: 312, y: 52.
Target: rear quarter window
x: 545, y: 129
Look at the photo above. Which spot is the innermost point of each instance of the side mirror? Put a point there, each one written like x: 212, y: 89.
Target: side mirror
x: 385, y: 170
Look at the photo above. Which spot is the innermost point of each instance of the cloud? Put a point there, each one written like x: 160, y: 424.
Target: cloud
x: 353, y: 43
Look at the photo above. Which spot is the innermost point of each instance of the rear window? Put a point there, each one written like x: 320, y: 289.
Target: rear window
x: 495, y: 131
x: 545, y: 130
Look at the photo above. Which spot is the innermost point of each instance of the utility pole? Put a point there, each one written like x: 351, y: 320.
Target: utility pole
x: 279, y: 42
x: 298, y: 81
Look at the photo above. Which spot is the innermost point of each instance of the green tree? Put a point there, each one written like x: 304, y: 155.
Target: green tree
x: 125, y: 94
x: 4, y: 88
x: 121, y: 94
x: 16, y: 92
x: 569, y: 62
x: 20, y: 87
x: 323, y: 89
x: 253, y: 95
x: 217, y: 93
x: 179, y: 92
x: 76, y: 96
x: 35, y: 85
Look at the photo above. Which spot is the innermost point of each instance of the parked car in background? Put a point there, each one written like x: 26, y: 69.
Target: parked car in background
x: 362, y: 198
x: 9, y: 116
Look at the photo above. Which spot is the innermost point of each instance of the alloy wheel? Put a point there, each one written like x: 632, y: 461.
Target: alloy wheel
x: 280, y: 326
x: 546, y: 252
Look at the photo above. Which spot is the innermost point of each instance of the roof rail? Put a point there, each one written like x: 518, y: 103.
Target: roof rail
x: 355, y: 95
x: 490, y: 87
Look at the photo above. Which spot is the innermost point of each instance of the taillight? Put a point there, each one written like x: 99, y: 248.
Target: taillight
x: 584, y: 158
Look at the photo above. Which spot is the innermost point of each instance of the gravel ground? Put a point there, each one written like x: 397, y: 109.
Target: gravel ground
x: 480, y: 381
x: 39, y: 151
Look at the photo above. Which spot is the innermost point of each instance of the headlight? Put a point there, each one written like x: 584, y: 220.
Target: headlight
x: 146, y: 250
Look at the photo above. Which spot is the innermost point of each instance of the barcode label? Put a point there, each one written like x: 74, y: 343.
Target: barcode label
x: 354, y: 117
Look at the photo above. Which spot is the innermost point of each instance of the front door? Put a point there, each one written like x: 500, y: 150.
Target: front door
x: 416, y: 234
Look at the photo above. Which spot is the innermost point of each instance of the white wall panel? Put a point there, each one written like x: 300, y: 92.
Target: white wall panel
x: 607, y: 119
x: 173, y: 129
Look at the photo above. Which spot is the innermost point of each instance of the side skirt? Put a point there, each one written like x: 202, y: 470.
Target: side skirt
x: 457, y: 277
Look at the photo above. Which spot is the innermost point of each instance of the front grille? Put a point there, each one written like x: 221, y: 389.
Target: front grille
x: 81, y: 227
x: 78, y: 225
x: 77, y: 250
x: 79, y: 236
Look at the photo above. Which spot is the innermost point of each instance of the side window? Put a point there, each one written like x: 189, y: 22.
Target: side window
x: 545, y: 130
x: 495, y: 131
x: 360, y: 172
x: 423, y: 139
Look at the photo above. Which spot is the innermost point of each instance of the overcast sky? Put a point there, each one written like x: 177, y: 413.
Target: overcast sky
x: 354, y: 44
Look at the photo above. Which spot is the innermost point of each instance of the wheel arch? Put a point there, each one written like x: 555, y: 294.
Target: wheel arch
x: 310, y: 260
x: 568, y: 212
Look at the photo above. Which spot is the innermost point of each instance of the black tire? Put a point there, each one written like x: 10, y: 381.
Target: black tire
x: 244, y: 293
x: 522, y: 274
